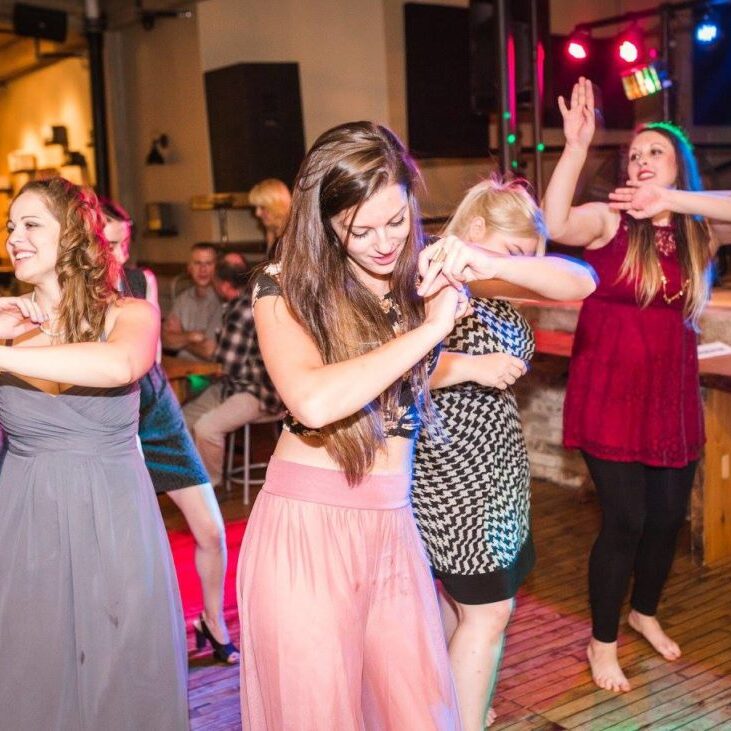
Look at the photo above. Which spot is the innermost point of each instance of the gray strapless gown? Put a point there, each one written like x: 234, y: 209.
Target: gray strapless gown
x: 91, y: 627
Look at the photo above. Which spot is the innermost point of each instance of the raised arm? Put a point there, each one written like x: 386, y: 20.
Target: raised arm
x: 553, y: 277
x: 317, y: 394
x: 550, y: 277
x: 592, y: 224
x: 126, y: 355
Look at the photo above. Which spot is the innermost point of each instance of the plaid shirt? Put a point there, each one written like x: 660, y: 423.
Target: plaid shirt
x: 237, y: 350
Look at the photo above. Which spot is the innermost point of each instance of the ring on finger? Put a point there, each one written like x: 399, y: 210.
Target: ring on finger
x: 440, y: 255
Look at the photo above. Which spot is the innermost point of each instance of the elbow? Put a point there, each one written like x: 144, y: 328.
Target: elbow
x: 311, y: 412
x: 589, y: 280
x: 129, y: 370
x: 554, y: 229
x: 121, y: 374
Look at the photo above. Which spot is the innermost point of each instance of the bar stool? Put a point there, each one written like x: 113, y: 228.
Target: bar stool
x: 242, y: 475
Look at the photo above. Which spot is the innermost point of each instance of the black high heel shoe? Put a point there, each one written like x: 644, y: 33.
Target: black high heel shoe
x: 220, y: 652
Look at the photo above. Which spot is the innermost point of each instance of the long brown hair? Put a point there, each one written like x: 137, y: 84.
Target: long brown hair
x: 345, y: 167
x: 693, y: 236
x: 87, y: 272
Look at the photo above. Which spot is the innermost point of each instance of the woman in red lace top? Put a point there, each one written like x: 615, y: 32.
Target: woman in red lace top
x: 633, y: 402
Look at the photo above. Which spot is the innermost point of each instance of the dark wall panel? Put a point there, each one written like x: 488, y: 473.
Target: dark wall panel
x: 441, y: 123
x: 452, y: 72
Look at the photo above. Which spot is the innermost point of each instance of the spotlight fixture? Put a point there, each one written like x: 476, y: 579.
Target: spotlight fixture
x: 577, y: 45
x: 708, y: 29
x: 148, y: 18
x: 642, y: 81
x: 630, y: 45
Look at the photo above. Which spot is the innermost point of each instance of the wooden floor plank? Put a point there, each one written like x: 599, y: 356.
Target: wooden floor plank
x: 545, y: 684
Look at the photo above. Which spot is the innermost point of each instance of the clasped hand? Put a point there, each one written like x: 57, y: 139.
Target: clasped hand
x: 19, y: 315
x: 446, y: 266
x: 451, y: 261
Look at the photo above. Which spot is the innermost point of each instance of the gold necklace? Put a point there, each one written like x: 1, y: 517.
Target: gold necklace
x: 669, y: 299
x: 44, y: 330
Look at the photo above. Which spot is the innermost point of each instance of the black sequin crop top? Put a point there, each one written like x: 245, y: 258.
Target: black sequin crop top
x: 403, y: 420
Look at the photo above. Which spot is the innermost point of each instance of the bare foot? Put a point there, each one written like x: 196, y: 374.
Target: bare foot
x: 605, y: 668
x: 651, y: 630
x: 491, y: 716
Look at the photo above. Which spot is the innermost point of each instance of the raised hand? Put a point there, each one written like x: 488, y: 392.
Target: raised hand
x: 19, y: 315
x: 643, y: 200
x: 578, y: 118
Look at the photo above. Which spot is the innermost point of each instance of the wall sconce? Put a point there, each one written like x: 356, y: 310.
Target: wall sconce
x: 56, y: 135
x: 158, y: 150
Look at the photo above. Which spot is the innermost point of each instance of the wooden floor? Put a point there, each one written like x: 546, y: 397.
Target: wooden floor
x: 544, y: 683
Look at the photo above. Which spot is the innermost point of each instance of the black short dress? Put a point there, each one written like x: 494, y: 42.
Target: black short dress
x: 471, y: 488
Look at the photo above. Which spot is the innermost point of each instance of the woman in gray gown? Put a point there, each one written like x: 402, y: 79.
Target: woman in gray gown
x: 91, y: 629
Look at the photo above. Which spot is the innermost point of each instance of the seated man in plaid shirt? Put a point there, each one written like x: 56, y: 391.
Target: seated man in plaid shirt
x: 244, y: 393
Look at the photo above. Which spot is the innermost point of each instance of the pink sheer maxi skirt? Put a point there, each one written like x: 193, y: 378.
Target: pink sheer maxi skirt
x: 340, y: 625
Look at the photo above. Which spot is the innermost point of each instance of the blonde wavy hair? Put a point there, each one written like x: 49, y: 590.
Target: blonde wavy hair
x: 273, y: 195
x: 693, y: 236
x: 506, y: 207
x: 87, y: 272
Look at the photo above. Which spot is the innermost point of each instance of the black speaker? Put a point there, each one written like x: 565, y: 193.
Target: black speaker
x: 441, y: 123
x: 35, y: 22
x: 483, y: 45
x: 712, y: 72
x: 254, y: 124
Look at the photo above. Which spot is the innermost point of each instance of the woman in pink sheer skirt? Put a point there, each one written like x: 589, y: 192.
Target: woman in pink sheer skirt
x: 340, y: 624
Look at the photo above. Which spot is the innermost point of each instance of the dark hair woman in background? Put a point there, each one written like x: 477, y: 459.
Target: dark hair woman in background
x: 633, y: 403
x: 175, y: 466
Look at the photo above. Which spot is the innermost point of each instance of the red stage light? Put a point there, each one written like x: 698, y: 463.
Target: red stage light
x: 631, y: 45
x: 628, y: 51
x: 577, y: 45
x: 576, y: 50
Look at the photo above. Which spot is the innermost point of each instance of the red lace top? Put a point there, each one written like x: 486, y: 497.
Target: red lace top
x: 633, y: 393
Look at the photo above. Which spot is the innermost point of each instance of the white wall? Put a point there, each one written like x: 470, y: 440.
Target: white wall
x: 339, y: 45
x: 155, y: 86
x: 352, y: 66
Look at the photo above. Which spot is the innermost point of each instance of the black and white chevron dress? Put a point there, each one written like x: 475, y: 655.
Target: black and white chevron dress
x: 471, y: 488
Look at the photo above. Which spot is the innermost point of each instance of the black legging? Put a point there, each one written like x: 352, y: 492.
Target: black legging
x: 643, y: 508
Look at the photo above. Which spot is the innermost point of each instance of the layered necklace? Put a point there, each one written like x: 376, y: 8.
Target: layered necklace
x: 47, y: 331
x: 670, y: 298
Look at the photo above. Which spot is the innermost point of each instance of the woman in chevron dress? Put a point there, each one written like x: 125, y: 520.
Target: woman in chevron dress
x: 471, y: 488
